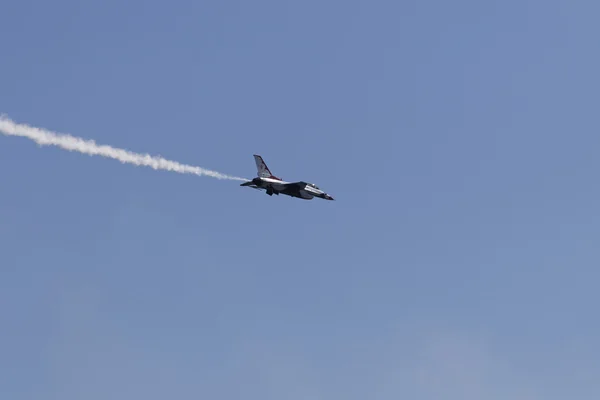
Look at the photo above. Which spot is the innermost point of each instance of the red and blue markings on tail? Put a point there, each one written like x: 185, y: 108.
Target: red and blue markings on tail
x: 262, y: 169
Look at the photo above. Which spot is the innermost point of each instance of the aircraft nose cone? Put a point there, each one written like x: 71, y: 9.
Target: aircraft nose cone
x: 328, y: 197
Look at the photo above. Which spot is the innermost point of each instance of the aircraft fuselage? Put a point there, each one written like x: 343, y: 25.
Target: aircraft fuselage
x: 301, y: 190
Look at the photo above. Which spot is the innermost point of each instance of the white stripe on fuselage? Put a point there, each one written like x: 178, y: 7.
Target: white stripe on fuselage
x: 271, y: 180
x: 274, y: 183
x: 311, y: 189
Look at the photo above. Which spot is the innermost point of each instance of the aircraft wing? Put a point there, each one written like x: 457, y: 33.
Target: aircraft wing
x: 250, y: 184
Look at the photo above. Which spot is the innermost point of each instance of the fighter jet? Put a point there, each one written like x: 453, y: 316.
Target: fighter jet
x: 274, y: 185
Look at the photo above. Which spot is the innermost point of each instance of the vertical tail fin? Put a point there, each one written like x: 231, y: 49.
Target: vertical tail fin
x: 262, y: 169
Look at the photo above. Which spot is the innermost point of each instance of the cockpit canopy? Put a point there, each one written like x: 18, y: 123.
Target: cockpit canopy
x: 314, y: 186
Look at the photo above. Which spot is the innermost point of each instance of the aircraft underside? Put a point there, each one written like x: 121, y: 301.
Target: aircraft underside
x: 289, y: 191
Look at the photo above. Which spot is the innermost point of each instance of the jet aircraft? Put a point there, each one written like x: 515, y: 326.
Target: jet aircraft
x: 274, y: 185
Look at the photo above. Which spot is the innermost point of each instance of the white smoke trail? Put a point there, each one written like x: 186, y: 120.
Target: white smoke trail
x: 71, y: 143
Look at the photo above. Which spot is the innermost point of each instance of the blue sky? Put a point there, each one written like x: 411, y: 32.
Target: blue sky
x: 460, y: 260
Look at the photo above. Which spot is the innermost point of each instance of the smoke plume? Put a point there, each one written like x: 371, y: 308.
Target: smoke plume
x: 45, y: 137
